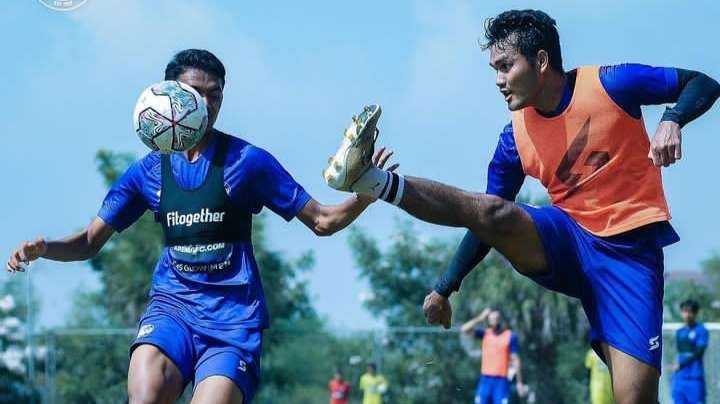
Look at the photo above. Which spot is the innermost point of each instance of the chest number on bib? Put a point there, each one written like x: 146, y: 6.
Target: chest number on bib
x: 595, y: 159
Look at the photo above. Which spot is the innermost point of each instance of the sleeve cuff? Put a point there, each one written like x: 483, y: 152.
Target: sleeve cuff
x: 301, y: 200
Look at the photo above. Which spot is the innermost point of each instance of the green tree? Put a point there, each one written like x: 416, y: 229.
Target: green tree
x: 430, y: 368
x: 14, y: 358
x: 705, y: 292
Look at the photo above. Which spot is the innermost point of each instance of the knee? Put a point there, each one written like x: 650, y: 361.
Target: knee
x: 494, y: 213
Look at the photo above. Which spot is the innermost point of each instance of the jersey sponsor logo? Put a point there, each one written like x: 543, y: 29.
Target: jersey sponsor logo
x: 189, y: 219
x: 691, y: 335
x: 654, y: 342
x: 198, y: 248
x: 217, y: 266
x: 145, y: 330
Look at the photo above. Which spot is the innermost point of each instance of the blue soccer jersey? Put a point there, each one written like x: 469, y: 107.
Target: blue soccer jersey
x: 232, y: 295
x: 691, y: 342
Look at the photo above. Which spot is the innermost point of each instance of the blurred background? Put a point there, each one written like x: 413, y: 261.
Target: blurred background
x: 296, y: 73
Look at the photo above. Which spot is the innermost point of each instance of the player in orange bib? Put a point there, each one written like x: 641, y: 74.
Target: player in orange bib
x: 499, y: 352
x: 581, y: 133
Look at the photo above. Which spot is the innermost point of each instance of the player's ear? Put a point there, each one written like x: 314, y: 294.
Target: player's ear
x: 542, y: 61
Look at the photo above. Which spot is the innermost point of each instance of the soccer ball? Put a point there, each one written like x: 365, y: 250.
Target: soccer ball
x: 170, y: 116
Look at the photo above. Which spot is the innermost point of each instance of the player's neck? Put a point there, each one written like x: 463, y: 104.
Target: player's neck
x: 551, y: 93
x: 194, y: 152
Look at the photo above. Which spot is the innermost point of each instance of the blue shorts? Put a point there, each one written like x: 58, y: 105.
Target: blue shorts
x: 618, y: 279
x: 688, y: 391
x: 201, y: 352
x: 492, y: 390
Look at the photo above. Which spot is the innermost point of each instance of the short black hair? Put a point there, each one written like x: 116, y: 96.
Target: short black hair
x: 372, y: 366
x: 691, y: 305
x: 195, y: 59
x: 528, y: 31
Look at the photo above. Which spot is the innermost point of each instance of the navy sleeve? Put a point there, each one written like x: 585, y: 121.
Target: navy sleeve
x: 270, y: 183
x: 514, y: 344
x: 505, y: 178
x: 697, y: 93
x: 479, y: 333
x: 124, y: 203
x: 631, y: 85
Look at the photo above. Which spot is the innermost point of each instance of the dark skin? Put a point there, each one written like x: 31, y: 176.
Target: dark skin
x: 152, y: 376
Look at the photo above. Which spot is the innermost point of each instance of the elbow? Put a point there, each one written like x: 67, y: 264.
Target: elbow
x: 323, y: 230
x: 93, y: 246
x: 716, y: 86
x: 93, y: 250
x: 712, y: 84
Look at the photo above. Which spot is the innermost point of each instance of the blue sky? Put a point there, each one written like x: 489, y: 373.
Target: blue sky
x: 296, y: 72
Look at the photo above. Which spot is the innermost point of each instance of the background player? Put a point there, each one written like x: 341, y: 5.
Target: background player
x: 207, y: 309
x: 688, y: 382
x: 581, y: 134
x: 339, y: 389
x: 373, y: 385
x: 600, y: 383
x: 499, y: 350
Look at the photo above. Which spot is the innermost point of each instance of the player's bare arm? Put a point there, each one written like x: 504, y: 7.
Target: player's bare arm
x: 469, y: 326
x: 517, y: 364
x: 324, y: 220
x: 76, y: 247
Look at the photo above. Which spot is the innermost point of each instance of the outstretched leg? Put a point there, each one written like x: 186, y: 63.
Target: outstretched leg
x: 497, y: 222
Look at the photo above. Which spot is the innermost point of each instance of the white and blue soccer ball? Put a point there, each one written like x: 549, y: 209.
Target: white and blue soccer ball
x: 170, y: 116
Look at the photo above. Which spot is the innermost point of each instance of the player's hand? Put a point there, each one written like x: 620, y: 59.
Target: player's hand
x: 437, y: 309
x: 665, y: 147
x: 27, y: 251
x: 380, y: 158
x: 522, y: 389
x: 485, y: 312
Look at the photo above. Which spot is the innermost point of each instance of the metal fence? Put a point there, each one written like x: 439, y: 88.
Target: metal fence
x: 428, y: 365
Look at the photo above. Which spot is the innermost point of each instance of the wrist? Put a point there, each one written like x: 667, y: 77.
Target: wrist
x: 671, y: 115
x: 442, y: 289
x: 43, y: 248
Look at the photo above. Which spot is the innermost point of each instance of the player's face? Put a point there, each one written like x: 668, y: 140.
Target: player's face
x: 688, y: 316
x: 493, y: 319
x: 209, y: 87
x: 516, y: 78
